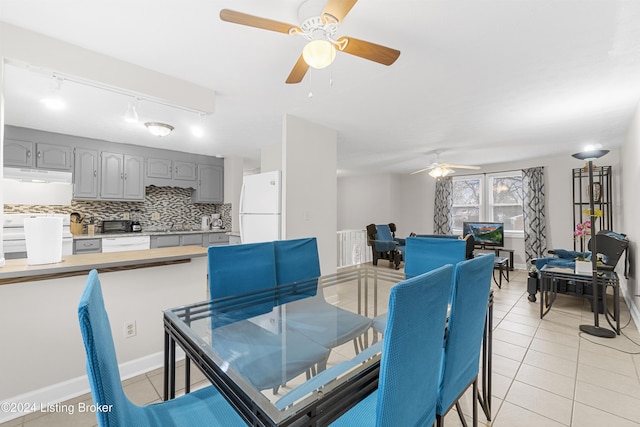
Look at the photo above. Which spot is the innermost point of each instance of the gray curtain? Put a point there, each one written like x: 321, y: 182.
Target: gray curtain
x: 442, y: 217
x: 535, y: 225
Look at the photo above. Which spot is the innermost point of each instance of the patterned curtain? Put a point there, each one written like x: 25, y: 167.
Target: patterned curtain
x: 442, y: 218
x: 535, y: 231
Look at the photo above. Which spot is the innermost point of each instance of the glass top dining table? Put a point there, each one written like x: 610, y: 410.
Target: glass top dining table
x: 287, y: 355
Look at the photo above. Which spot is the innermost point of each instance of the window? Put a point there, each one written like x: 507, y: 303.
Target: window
x: 502, y: 202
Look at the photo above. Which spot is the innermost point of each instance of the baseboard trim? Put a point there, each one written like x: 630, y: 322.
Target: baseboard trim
x: 63, y: 391
x: 633, y: 310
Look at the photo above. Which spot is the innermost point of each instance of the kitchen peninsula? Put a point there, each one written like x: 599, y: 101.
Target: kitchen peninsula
x: 42, y: 336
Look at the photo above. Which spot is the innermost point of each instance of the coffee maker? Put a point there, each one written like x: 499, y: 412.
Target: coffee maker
x: 135, y: 221
x: 216, y: 222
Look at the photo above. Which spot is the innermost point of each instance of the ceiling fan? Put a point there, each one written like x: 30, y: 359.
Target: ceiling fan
x: 437, y: 169
x: 321, y: 31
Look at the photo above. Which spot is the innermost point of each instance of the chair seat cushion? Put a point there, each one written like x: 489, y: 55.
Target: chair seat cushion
x: 267, y: 368
x: 324, y: 323
x: 204, y: 407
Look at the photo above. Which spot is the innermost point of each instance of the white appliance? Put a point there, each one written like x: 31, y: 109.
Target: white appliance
x: 260, y: 207
x: 121, y: 244
x: 13, y: 237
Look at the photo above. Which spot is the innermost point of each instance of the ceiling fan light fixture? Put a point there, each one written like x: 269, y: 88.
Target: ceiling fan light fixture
x: 159, y: 129
x: 319, y: 54
x: 439, y: 172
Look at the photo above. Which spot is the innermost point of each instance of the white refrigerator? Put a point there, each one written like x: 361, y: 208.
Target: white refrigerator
x: 260, y: 207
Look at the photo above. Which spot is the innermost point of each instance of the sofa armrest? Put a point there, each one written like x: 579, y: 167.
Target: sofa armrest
x: 384, y: 245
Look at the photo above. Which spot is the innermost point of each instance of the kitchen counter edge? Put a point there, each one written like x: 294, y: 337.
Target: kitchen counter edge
x: 145, y: 233
x: 17, y: 270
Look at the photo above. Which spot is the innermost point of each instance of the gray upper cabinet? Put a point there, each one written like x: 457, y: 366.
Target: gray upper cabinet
x: 37, y: 155
x: 171, y: 173
x: 49, y: 156
x: 85, y: 174
x: 121, y: 177
x: 18, y: 153
x: 159, y: 168
x: 184, y: 171
x: 210, y: 185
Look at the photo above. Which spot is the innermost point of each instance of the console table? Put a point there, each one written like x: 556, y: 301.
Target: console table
x: 554, y: 280
x: 497, y: 251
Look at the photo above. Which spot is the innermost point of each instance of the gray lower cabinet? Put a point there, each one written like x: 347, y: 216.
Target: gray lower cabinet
x: 216, y: 239
x: 37, y: 155
x: 210, y: 185
x: 121, y: 177
x: 87, y: 246
x: 234, y: 239
x: 85, y: 174
x: 172, y: 240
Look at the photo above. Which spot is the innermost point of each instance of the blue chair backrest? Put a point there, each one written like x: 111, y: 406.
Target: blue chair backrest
x: 472, y: 284
x: 383, y: 232
x: 297, y: 262
x: 102, y: 364
x: 244, y: 269
x: 424, y: 254
x: 413, y: 339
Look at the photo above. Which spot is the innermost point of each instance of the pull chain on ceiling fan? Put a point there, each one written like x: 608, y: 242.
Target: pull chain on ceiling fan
x: 321, y: 32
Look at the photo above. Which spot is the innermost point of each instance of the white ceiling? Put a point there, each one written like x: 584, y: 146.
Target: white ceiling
x: 487, y: 81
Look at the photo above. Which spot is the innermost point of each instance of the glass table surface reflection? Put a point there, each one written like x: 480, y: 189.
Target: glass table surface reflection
x: 286, y: 356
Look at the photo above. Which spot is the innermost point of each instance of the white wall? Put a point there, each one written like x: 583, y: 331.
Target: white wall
x: 414, y: 196
x: 309, y: 169
x: 271, y: 158
x: 630, y: 179
x: 43, y: 356
x: 233, y: 173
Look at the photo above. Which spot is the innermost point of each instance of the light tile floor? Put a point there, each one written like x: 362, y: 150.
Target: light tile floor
x: 545, y: 372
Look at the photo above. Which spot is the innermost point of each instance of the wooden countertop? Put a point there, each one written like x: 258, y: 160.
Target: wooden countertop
x: 17, y: 270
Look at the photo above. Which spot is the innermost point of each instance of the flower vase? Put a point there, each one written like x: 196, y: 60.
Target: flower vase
x: 584, y: 268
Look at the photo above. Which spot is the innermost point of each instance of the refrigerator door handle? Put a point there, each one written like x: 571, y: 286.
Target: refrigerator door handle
x: 241, y: 224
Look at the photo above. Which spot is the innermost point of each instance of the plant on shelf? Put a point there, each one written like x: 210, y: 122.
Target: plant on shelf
x: 583, y: 230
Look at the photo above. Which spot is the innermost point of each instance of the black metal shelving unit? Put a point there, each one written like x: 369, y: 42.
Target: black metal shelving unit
x: 602, y: 201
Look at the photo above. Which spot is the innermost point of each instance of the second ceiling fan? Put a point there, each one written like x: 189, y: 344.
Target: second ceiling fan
x: 321, y: 32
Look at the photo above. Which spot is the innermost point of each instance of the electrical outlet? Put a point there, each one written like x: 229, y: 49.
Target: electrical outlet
x: 155, y: 216
x: 130, y: 329
x: 125, y: 215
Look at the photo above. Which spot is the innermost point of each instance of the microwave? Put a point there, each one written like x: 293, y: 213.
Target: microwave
x: 116, y: 226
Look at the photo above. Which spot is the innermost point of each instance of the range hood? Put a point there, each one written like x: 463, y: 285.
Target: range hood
x: 37, y: 175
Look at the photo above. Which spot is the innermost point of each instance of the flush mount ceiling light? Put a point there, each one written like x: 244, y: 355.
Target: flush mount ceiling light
x: 438, y: 172
x: 159, y: 129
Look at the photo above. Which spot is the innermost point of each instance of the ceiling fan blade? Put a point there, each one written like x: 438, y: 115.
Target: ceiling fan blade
x: 338, y: 9
x: 255, y: 21
x: 298, y: 71
x: 449, y: 165
x: 421, y: 170
x: 367, y: 50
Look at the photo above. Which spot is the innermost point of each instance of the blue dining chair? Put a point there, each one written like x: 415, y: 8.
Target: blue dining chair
x: 297, y: 262
x: 248, y: 273
x: 204, y: 407
x: 465, y: 329
x: 411, y: 356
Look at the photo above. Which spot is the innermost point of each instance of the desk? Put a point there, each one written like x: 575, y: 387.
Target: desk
x: 554, y: 280
x: 304, y: 400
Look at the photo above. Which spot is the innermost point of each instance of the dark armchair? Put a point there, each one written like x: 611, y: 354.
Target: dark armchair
x: 384, y: 245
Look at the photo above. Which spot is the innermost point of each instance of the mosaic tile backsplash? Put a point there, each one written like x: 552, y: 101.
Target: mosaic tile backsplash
x: 172, y: 204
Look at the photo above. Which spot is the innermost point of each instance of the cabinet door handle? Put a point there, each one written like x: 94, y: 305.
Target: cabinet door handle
x: 39, y: 154
x: 125, y: 176
x: 95, y: 172
x: 121, y: 176
x: 28, y: 153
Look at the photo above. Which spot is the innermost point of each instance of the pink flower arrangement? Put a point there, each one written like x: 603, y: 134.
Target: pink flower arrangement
x: 583, y: 229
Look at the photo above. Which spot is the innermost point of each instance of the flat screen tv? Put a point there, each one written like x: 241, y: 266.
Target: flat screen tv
x: 485, y: 233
